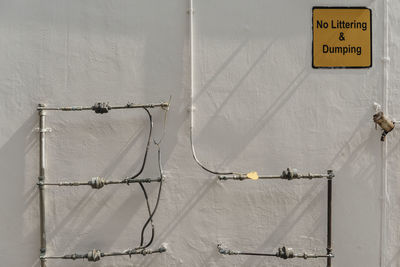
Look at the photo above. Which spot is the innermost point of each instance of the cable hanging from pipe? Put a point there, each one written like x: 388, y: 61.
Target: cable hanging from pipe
x: 99, y: 182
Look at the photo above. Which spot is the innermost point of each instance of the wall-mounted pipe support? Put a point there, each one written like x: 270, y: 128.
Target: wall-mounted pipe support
x: 104, y: 107
x: 288, y: 174
x: 98, y: 182
x: 283, y: 253
x: 96, y: 255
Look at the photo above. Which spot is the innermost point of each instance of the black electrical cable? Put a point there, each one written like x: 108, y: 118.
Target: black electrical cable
x: 147, y: 148
x: 150, y: 219
x: 149, y: 210
x: 151, y: 214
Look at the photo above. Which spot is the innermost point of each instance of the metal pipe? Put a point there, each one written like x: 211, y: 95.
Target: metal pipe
x: 329, y: 219
x: 41, y: 178
x: 385, y: 204
x: 108, y: 107
x: 288, y: 174
x: 191, y: 107
x: 283, y: 253
x: 96, y: 255
x: 98, y: 183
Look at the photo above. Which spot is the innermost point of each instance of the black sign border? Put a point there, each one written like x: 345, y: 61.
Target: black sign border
x: 340, y: 7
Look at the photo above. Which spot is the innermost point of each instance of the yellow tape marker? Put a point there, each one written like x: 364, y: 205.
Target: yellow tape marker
x: 252, y: 175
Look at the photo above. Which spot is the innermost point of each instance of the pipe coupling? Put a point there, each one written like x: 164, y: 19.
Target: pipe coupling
x: 97, y: 182
x: 101, y: 107
x: 384, y: 122
x: 94, y: 255
x: 285, y: 253
x: 290, y: 174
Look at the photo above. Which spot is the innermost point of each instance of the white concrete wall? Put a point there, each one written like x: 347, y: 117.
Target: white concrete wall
x: 259, y: 106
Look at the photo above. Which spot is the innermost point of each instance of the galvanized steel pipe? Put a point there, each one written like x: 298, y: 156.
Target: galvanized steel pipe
x: 109, y: 107
x: 96, y: 255
x: 41, y: 178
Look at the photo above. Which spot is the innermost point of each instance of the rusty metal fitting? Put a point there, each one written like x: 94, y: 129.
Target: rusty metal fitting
x: 384, y: 122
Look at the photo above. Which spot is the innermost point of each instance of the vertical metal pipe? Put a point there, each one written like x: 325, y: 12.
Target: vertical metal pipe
x: 329, y: 223
x: 42, y: 173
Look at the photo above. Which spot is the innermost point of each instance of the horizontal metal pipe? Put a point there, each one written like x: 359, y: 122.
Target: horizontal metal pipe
x: 284, y: 253
x: 105, y: 182
x: 303, y: 256
x: 96, y: 255
x: 127, y: 106
x: 242, y: 177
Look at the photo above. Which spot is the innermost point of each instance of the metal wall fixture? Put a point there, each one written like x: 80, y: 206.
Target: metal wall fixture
x: 384, y: 122
x: 286, y: 252
x: 98, y: 182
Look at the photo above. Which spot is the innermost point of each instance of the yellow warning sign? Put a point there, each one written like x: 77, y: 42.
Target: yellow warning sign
x: 342, y: 37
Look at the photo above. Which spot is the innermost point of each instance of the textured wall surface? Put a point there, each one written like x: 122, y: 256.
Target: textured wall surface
x: 259, y: 106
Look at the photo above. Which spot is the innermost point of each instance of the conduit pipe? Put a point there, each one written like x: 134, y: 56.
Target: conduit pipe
x: 288, y: 174
x: 97, y: 182
x: 103, y: 107
x: 385, y: 92
x: 96, y: 255
x: 230, y: 175
x: 283, y: 253
x: 191, y: 108
x: 41, y: 178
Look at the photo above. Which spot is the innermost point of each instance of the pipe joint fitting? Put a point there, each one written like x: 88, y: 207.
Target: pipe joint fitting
x: 226, y: 251
x: 285, y: 253
x: 97, y: 182
x: 101, y: 107
x: 384, y: 122
x: 94, y: 255
x: 290, y: 174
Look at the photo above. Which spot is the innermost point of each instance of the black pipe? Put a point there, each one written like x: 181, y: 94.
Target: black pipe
x: 329, y: 221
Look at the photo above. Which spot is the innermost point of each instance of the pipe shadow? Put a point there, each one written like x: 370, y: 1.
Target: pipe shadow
x: 17, y: 199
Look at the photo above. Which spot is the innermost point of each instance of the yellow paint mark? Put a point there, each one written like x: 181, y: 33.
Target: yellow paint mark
x: 252, y: 175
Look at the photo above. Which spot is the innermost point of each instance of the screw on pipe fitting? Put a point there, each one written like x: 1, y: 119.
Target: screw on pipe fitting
x: 289, y: 174
x: 226, y: 251
x: 94, y: 255
x: 330, y: 174
x: 101, y: 107
x: 97, y: 182
x: 384, y: 122
x: 285, y: 253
